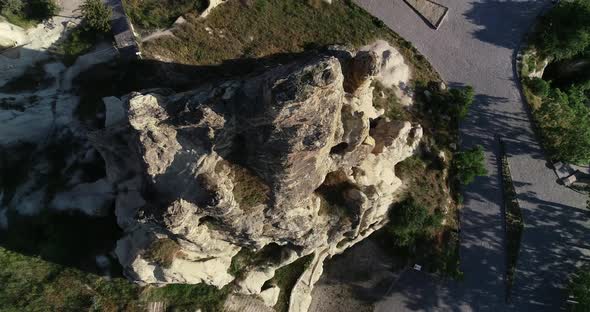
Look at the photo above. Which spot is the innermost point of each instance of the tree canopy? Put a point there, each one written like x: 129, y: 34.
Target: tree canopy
x: 470, y: 164
x: 565, y: 120
x: 565, y: 30
x: 97, y: 15
x: 410, y: 221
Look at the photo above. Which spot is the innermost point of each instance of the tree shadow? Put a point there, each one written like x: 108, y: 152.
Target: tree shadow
x: 516, y: 16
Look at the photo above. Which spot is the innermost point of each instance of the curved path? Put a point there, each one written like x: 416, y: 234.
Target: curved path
x: 476, y: 45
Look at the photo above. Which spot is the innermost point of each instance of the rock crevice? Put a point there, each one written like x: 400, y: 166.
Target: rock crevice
x: 296, y: 156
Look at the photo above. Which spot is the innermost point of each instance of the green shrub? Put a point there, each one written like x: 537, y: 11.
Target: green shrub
x: 249, y: 189
x: 241, y: 261
x: 564, y: 119
x: 97, y: 15
x: 470, y: 164
x: 31, y: 284
x: 454, y: 102
x: 182, y: 297
x: 565, y: 30
x: 538, y: 86
x: 78, y: 42
x: 461, y: 100
x: 286, y: 278
x: 409, y: 221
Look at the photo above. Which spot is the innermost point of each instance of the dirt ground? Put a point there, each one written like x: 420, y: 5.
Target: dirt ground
x: 353, y: 281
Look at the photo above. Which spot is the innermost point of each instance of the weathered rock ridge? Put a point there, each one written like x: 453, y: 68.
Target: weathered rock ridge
x: 296, y: 159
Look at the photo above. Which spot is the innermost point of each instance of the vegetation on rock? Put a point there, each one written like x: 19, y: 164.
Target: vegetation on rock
x: 162, y: 251
x: 286, y: 277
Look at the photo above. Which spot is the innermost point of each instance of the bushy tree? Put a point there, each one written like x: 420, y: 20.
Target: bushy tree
x: 538, y: 86
x: 410, y: 220
x: 565, y: 30
x: 565, y: 123
x: 461, y: 99
x: 97, y: 15
x: 470, y: 164
x: 454, y: 102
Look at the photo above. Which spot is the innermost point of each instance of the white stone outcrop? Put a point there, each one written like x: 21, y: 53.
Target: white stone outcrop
x: 296, y: 158
x: 394, y: 72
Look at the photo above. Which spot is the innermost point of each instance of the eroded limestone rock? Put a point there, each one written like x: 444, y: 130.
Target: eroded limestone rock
x: 296, y: 157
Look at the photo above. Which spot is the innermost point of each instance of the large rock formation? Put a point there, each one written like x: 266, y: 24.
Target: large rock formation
x: 296, y: 160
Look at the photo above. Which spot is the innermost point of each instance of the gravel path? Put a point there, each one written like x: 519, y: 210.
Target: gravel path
x: 476, y: 46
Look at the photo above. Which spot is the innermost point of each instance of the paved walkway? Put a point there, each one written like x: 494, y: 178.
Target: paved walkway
x: 476, y: 46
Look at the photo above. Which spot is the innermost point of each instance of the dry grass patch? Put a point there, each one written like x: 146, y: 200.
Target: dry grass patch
x: 249, y: 189
x: 426, y: 182
x: 267, y: 27
x: 162, y: 251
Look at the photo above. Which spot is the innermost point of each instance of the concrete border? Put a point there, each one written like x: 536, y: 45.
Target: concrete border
x: 433, y: 23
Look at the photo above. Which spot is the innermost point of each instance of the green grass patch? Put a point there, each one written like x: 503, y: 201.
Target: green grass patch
x: 181, y: 297
x: 32, y: 284
x: 20, y: 20
x: 154, y: 14
x: 247, y: 258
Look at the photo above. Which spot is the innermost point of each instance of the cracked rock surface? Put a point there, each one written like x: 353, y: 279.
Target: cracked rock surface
x: 296, y: 158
